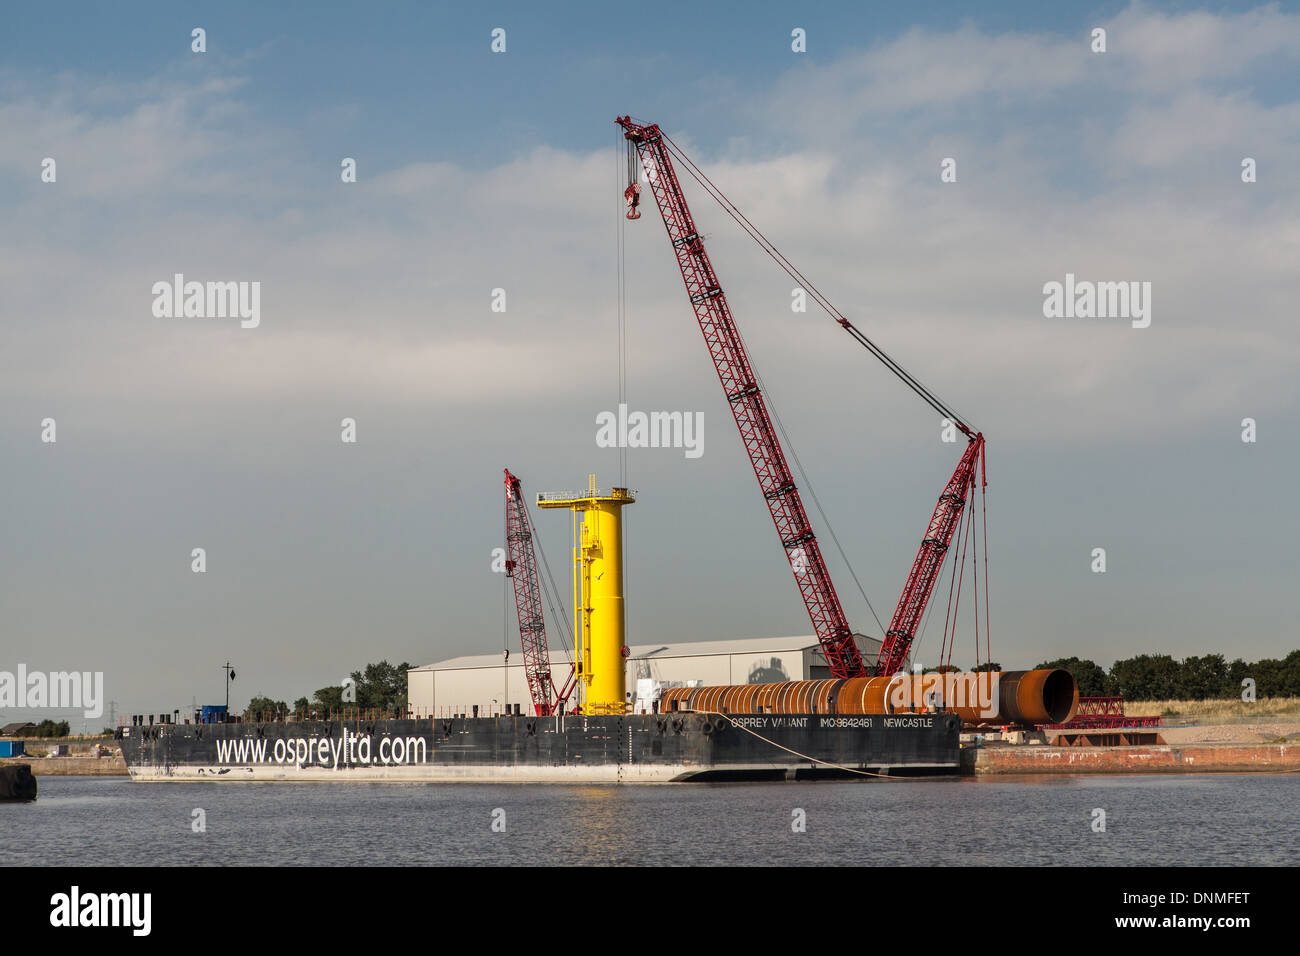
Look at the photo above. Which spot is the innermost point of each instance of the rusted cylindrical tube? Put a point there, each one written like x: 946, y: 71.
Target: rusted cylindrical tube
x: 676, y: 698
x: 796, y: 697
x: 1047, y: 696
x: 974, y: 697
x: 739, y: 699
x: 863, y: 695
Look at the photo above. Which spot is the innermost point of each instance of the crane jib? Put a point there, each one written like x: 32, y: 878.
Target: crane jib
x: 745, y: 398
x: 521, y: 563
x: 766, y: 456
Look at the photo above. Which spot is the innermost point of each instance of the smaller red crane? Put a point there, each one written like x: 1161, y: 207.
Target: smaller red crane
x: 521, y: 567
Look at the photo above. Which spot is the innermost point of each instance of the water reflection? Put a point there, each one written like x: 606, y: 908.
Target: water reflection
x: 1212, y: 820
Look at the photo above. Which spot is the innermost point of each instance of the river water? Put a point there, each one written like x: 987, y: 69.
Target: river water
x: 1216, y: 820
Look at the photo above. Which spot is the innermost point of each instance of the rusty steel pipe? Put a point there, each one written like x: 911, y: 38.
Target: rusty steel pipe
x: 677, y: 698
x: 1047, y: 696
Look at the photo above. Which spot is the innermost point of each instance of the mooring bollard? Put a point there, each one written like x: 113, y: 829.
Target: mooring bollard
x: 17, y: 782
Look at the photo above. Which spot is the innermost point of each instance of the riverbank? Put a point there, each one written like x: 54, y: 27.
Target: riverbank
x: 1169, y: 758
x: 78, y: 766
x: 89, y: 756
x: 1228, y: 744
x: 1195, y: 737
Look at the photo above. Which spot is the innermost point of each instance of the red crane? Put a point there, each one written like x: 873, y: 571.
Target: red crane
x: 741, y: 388
x: 929, y: 559
x: 521, y: 566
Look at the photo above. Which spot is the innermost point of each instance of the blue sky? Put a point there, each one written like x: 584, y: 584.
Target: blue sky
x: 479, y: 171
x: 422, y: 81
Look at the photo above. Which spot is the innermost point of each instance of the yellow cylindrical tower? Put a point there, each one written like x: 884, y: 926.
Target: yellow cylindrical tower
x: 598, y: 593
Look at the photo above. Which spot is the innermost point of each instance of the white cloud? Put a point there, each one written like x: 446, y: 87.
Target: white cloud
x: 377, y: 295
x: 385, y: 285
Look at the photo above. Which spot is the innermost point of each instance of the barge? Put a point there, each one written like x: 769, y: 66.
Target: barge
x: 629, y: 748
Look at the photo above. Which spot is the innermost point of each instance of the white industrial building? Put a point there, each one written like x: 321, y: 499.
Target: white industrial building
x: 493, y: 685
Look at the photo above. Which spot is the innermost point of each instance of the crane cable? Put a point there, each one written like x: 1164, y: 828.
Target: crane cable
x: 807, y: 483
x: 975, y: 582
x: 551, y: 600
x: 776, y: 417
x: 944, y: 654
x: 622, y: 339
x: 984, y: 542
x: 535, y: 544
x: 793, y: 272
x: 794, y: 455
x: 820, y: 298
x: 623, y: 298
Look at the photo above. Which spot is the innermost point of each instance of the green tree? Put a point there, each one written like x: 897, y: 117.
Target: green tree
x: 1146, y: 677
x: 1289, y: 675
x: 328, y: 698
x: 301, y: 705
x: 1089, y: 675
x: 382, y: 687
x: 1268, y: 676
x: 265, y: 707
x: 988, y: 666
x: 1202, y: 677
x: 1238, y: 671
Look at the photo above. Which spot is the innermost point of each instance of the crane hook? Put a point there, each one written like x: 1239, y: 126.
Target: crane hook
x: 632, y: 196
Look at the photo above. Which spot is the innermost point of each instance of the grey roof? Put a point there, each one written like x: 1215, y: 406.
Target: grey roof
x: 752, y: 645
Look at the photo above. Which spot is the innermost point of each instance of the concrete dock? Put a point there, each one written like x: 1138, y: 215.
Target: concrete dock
x: 113, y: 766
x: 1167, y: 758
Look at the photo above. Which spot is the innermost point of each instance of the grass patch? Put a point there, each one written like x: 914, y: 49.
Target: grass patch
x: 1264, y: 707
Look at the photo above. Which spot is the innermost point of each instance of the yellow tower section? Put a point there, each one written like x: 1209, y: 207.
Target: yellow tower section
x: 598, y: 593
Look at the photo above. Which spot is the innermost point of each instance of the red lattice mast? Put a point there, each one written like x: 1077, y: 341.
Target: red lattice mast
x: 521, y: 567
x: 740, y: 386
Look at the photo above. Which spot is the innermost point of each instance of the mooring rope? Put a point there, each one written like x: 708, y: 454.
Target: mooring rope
x: 885, y: 776
x: 824, y: 763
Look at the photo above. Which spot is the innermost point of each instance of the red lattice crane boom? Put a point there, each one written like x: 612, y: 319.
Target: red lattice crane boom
x: 521, y: 567
x: 929, y: 559
x: 743, y: 394
x: 741, y: 387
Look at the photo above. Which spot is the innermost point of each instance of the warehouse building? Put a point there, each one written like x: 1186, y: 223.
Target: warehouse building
x: 493, y: 684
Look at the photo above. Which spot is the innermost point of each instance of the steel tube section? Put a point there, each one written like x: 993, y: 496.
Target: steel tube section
x: 988, y: 698
x: 1038, y: 697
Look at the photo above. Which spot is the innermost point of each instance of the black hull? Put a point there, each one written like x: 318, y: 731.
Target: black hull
x: 630, y: 748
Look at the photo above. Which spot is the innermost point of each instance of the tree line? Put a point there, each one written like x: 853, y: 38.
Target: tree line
x: 379, y: 687
x: 46, y: 728
x: 1160, y: 677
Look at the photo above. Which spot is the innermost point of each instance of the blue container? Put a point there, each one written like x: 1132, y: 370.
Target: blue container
x: 11, y: 748
x: 213, y: 713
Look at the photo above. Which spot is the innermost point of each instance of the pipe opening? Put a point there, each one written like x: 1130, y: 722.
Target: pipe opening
x: 1058, y: 695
